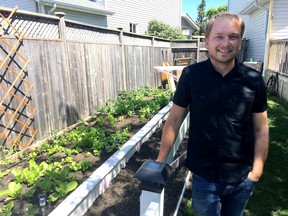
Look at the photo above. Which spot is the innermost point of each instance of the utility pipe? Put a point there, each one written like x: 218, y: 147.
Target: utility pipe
x: 52, y: 9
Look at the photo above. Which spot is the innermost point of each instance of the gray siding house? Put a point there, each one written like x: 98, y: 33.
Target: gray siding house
x: 265, y: 20
x: 267, y: 33
x: 129, y: 16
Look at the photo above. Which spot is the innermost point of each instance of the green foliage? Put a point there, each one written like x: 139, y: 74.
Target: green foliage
x: 201, y: 19
x: 213, y: 11
x: 4, y: 173
x: 6, y: 210
x: 54, y: 176
x: 163, y: 30
x: 85, y: 165
x: 30, y: 193
x: 203, y: 16
x: 31, y: 174
x: 46, y: 184
x: 13, y: 192
x: 31, y: 211
x: 62, y: 189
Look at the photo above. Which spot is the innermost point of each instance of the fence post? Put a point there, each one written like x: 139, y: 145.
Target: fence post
x: 153, y: 176
x: 66, y: 75
x: 121, y: 39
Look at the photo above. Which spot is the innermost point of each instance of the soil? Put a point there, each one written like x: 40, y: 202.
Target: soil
x: 122, y: 198
x: 123, y: 195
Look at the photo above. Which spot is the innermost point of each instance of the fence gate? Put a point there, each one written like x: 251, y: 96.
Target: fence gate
x: 16, y: 113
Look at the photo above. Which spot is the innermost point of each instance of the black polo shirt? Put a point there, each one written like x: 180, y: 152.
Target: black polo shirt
x: 221, y: 142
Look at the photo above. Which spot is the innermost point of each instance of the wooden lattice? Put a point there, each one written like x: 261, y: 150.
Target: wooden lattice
x: 16, y: 113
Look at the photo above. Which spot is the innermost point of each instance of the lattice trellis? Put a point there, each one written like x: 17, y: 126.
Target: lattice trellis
x: 16, y: 113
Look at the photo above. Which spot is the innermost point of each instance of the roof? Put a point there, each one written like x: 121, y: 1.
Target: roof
x: 252, y: 6
x: 189, y: 21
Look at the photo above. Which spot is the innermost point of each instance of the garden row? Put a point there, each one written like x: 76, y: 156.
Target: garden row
x: 63, y: 161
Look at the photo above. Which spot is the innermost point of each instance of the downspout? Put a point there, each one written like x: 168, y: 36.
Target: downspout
x: 38, y: 6
x: 52, y: 9
x: 267, y: 33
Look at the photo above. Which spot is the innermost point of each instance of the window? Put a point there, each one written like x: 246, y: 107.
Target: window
x: 133, y: 27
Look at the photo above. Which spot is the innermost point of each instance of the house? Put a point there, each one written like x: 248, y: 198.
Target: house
x: 129, y: 16
x: 267, y: 33
x: 265, y: 20
x: 188, y: 25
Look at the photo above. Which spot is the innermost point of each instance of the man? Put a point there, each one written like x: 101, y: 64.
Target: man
x: 228, y: 134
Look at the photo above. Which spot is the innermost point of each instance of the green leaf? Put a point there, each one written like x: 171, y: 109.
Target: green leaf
x: 15, y: 188
x: 64, y: 188
x: 53, y: 197
x: 4, y: 192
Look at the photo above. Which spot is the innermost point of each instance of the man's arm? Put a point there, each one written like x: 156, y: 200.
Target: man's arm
x: 170, y: 131
x: 261, y: 136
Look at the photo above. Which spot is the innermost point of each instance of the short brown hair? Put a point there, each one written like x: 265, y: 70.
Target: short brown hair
x: 231, y: 16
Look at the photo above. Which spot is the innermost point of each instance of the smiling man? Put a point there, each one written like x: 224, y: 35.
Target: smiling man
x: 228, y: 134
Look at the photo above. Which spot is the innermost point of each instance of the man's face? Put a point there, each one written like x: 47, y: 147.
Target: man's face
x: 224, y: 41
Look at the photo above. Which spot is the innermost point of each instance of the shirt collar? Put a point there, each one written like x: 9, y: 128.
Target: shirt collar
x: 235, y: 70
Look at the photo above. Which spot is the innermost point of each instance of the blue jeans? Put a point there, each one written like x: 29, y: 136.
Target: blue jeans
x: 214, y: 199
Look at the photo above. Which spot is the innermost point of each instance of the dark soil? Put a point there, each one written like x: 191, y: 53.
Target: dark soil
x: 122, y: 198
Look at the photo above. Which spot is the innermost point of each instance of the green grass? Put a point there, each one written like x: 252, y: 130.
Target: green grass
x: 270, y: 197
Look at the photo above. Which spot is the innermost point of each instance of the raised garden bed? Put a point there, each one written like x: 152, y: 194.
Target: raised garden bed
x: 64, y: 162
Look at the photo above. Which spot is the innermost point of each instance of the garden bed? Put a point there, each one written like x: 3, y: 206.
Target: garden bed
x: 64, y: 162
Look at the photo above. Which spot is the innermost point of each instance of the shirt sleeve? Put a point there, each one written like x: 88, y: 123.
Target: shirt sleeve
x: 260, y: 102
x: 182, y: 94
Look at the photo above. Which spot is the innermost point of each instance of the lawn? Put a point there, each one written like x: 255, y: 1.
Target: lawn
x: 271, y: 194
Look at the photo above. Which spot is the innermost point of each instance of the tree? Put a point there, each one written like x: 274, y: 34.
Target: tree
x: 201, y: 21
x: 203, y: 16
x: 163, y: 30
x: 213, y: 11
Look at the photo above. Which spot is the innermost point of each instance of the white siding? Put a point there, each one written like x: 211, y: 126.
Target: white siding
x: 143, y: 11
x: 280, y: 20
x: 88, y: 18
x: 255, y: 25
x: 255, y: 28
x: 235, y: 6
x: 28, y: 5
x: 256, y: 33
x: 139, y: 12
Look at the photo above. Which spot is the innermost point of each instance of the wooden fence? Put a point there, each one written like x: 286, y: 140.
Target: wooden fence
x: 278, y: 56
x: 278, y: 64
x: 75, y: 68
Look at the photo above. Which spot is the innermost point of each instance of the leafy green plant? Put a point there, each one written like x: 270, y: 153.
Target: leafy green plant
x: 46, y: 184
x: 55, y: 177
x: 100, y: 121
x: 6, y: 210
x: 13, y: 192
x: 85, y: 165
x: 62, y: 189
x: 88, y: 154
x: 163, y: 30
x: 111, y: 119
x: 30, y: 174
x: 30, y: 193
x: 4, y: 173
x: 31, y: 211
x: 68, y: 159
x: 32, y: 155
